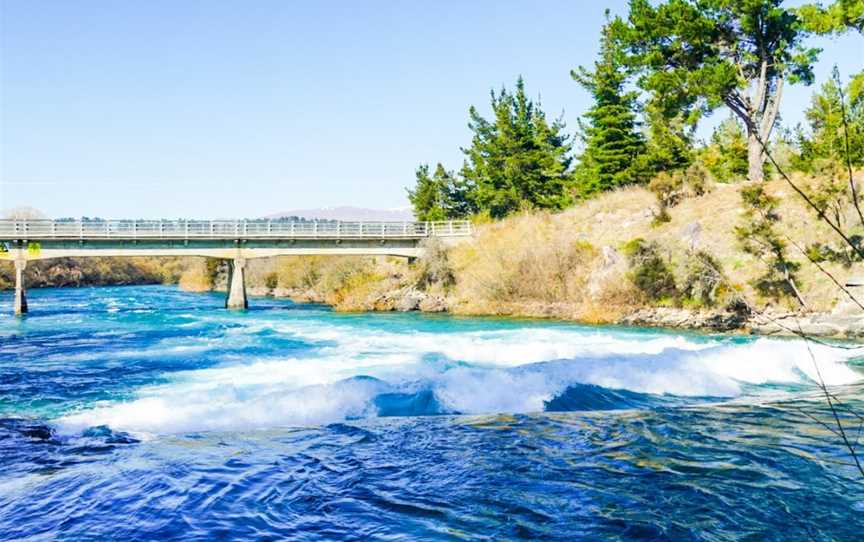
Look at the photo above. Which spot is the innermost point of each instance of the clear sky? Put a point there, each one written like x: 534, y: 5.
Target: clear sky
x: 166, y: 108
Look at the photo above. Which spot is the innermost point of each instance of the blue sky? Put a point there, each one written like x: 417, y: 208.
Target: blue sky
x: 231, y: 109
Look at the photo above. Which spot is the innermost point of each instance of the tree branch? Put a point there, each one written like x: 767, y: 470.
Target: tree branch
x: 845, y: 120
x: 762, y: 87
x: 825, y: 272
x: 771, y: 110
x: 819, y: 212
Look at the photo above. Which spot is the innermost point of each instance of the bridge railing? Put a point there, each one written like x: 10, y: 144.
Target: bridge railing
x: 13, y: 229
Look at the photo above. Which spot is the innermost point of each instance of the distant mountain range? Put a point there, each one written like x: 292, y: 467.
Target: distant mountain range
x: 349, y: 214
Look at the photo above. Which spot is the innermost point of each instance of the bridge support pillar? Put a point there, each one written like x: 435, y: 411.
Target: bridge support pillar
x: 20, y: 293
x: 237, y: 285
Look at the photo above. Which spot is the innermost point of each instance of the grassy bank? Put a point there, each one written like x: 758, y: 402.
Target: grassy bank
x: 598, y: 261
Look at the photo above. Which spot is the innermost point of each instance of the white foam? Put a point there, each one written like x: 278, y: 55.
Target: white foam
x: 512, y: 370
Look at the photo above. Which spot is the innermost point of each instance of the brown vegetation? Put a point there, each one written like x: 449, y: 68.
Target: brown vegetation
x: 598, y: 261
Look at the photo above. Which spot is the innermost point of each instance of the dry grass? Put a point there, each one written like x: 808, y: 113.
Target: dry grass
x: 196, y: 276
x: 566, y: 265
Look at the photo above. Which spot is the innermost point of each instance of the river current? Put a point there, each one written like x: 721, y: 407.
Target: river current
x: 147, y: 413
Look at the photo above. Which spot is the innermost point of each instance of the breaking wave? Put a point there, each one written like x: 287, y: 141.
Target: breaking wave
x: 356, y: 372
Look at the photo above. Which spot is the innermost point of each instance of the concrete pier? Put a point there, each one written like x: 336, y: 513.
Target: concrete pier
x: 20, y: 293
x: 237, y: 285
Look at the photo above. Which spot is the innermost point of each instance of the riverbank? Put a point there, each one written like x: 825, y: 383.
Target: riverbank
x: 770, y: 323
x: 604, y: 261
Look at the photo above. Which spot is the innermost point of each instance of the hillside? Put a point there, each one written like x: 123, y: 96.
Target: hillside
x: 579, y: 264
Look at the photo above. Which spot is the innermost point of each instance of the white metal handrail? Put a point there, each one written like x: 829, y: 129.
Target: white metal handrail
x: 14, y: 229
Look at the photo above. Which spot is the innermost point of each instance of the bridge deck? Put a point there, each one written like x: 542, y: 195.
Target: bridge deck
x: 234, y: 240
x: 36, y: 230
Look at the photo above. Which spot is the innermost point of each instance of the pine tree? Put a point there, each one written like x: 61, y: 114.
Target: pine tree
x: 701, y: 54
x: 517, y: 160
x: 428, y: 196
x: 824, y: 145
x: 441, y: 195
x: 669, y: 146
x: 613, y: 148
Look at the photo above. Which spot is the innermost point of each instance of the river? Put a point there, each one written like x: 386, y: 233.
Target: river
x: 147, y: 413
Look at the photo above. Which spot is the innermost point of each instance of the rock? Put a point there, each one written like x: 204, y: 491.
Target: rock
x: 610, y: 256
x: 258, y: 291
x: 691, y: 234
x: 847, y: 307
x: 409, y: 301
x: 433, y: 303
x: 815, y: 325
x: 714, y: 320
x: 281, y: 292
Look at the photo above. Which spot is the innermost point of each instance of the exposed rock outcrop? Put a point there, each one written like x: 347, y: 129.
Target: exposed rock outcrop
x: 713, y: 320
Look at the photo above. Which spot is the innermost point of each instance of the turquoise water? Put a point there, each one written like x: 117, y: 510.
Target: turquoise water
x: 146, y: 413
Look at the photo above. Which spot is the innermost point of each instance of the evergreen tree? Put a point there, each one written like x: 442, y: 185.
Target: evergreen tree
x: 670, y: 138
x: 823, y: 146
x: 612, y: 144
x: 441, y: 195
x: 838, y: 17
x: 518, y: 159
x: 757, y: 235
x: 725, y: 157
x: 428, y: 196
x: 700, y: 54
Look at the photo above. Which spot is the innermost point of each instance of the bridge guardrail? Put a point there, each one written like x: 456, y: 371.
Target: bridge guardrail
x: 13, y: 229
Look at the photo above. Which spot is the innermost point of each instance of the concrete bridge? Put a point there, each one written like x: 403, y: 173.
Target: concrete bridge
x: 233, y: 240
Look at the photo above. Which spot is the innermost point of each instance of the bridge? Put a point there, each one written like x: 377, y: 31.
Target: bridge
x: 233, y: 240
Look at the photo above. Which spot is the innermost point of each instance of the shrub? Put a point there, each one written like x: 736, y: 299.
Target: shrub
x: 434, y: 265
x: 668, y: 188
x: 300, y: 272
x: 671, y: 187
x: 648, y: 271
x: 704, y: 283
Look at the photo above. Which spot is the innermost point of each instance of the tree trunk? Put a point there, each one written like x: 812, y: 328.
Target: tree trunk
x: 754, y: 159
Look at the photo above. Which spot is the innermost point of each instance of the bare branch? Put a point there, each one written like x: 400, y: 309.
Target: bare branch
x: 762, y: 87
x: 825, y: 272
x: 819, y: 212
x: 845, y: 120
x: 771, y: 110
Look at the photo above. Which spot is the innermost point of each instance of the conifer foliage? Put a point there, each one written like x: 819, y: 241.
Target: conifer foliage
x: 516, y: 160
x: 439, y: 196
x: 519, y: 159
x: 613, y: 152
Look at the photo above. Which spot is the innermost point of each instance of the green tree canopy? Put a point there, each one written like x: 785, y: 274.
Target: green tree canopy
x: 725, y: 156
x: 518, y: 159
x: 837, y: 18
x: 697, y: 55
x: 613, y: 147
x: 670, y: 138
x: 823, y: 146
x: 440, y: 196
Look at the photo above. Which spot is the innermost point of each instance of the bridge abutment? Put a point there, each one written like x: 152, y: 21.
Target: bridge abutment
x: 20, y: 307
x: 237, y: 285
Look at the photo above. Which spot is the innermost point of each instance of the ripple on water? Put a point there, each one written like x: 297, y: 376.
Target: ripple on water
x: 181, y: 423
